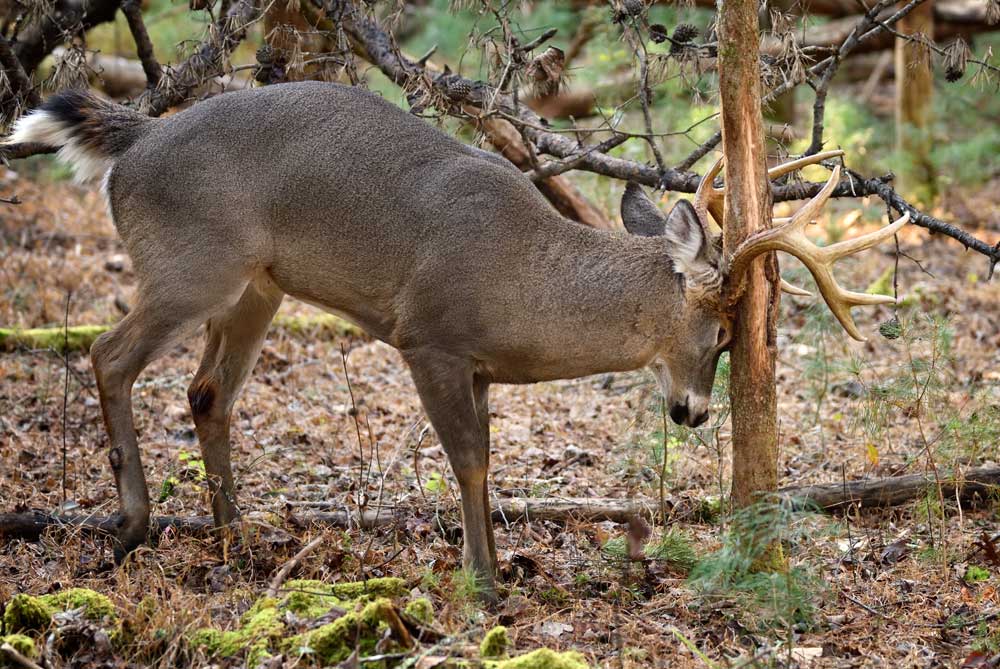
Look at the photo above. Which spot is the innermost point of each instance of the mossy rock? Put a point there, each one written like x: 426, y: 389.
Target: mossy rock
x: 25, y: 613
x: 262, y: 627
x: 29, y: 613
x: 495, y: 643
x: 96, y: 607
x: 260, y: 632
x: 22, y: 644
x: 334, y: 642
x: 543, y: 658
x: 311, y: 599
x: 421, y: 610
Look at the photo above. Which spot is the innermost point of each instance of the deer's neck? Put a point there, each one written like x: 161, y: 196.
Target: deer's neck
x: 588, y: 302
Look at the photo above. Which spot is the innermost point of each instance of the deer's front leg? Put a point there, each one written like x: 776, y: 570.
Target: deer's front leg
x: 449, y: 394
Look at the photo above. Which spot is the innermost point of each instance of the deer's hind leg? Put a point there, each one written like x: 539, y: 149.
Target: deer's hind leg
x: 162, y: 316
x: 232, y: 345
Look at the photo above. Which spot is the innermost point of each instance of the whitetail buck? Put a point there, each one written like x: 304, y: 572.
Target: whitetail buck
x: 340, y: 199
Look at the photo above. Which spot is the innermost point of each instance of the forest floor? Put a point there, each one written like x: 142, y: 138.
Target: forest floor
x: 905, y: 587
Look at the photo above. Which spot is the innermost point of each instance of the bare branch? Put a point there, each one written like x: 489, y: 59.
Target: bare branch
x: 22, y: 92
x: 209, y: 60
x: 132, y: 10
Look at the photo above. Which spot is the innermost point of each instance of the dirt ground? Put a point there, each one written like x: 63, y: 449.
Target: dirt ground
x: 888, y: 588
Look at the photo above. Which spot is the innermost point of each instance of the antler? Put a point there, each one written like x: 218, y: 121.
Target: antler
x: 788, y: 235
x: 709, y: 199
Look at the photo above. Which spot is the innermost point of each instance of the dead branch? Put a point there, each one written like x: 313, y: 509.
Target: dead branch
x: 37, y: 39
x: 967, y: 486
x: 132, y: 9
x: 378, y: 48
x: 208, y: 61
x: 287, y: 568
x: 981, y: 482
x: 563, y: 195
x: 22, y: 92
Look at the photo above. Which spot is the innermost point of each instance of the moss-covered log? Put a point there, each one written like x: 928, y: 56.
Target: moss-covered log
x: 80, y: 337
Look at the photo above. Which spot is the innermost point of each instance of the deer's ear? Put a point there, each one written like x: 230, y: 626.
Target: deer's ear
x: 688, y: 248
x: 640, y: 216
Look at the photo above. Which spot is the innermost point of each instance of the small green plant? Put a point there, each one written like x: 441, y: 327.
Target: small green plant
x: 975, y: 574
x: 773, y: 600
x: 675, y: 549
x: 436, y: 484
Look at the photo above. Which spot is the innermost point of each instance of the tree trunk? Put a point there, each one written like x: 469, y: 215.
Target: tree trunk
x: 748, y: 209
x: 914, y: 96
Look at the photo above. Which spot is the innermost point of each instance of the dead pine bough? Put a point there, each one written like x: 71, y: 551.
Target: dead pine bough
x: 971, y: 485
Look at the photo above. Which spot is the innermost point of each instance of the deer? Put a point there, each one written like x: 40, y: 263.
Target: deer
x: 446, y: 252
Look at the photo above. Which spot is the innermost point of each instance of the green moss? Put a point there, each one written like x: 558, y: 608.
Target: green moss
x: 374, y: 587
x: 261, y: 630
x: 495, y: 643
x: 311, y: 599
x: 96, y: 607
x: 75, y: 338
x: 313, y: 324
x: 420, y: 609
x: 308, y: 599
x: 26, y: 613
x: 543, y: 658
x: 334, y: 642
x: 22, y: 644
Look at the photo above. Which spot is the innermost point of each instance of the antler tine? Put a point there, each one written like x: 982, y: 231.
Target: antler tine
x: 799, y: 163
x: 789, y: 236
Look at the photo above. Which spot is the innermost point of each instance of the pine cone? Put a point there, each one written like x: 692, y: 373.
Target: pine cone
x: 685, y: 32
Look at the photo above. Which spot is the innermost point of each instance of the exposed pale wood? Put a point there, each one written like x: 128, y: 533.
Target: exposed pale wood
x: 979, y: 482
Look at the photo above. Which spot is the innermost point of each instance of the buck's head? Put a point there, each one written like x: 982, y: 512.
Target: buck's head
x: 711, y: 283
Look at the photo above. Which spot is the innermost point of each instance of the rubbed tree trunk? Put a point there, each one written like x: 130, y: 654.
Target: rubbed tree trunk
x: 748, y: 209
x: 914, y: 89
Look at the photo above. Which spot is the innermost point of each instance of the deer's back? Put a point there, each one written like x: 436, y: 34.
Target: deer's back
x: 342, y: 197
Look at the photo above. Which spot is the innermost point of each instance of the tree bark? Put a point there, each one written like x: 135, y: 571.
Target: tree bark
x: 914, y: 97
x: 748, y: 209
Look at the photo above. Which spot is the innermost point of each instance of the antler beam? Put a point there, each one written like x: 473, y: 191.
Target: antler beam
x: 789, y: 236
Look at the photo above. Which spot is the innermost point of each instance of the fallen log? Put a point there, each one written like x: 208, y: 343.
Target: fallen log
x: 961, y: 19
x: 972, y: 484
x: 81, y: 337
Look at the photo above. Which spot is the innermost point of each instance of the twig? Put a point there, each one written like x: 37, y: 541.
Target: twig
x: 19, y: 80
x: 65, y: 406
x: 132, y: 10
x: 16, y: 658
x: 287, y: 568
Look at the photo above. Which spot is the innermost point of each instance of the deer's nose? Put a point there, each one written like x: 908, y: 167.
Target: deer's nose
x: 681, y: 414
